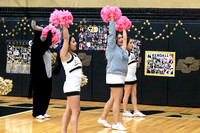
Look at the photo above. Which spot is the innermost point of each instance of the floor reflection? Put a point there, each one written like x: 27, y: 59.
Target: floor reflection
x: 18, y: 126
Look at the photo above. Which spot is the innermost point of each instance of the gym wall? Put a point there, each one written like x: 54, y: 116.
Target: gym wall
x: 181, y: 90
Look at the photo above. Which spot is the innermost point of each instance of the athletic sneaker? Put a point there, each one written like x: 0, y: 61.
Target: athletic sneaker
x: 47, y: 116
x: 128, y: 114
x: 138, y: 113
x: 118, y: 126
x: 103, y: 122
x: 39, y: 117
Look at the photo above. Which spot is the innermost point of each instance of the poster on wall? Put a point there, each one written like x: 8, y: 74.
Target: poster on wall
x: 159, y: 63
x: 93, y: 37
x: 18, y: 57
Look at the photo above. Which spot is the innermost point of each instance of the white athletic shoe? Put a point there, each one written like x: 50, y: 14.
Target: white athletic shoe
x: 39, y: 117
x: 103, y: 122
x: 127, y: 114
x: 118, y: 126
x: 47, y: 116
x: 138, y: 113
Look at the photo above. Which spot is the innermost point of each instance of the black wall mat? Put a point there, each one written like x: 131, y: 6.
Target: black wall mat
x: 183, y: 90
x: 154, y: 88
x: 100, y: 92
x: 57, y: 85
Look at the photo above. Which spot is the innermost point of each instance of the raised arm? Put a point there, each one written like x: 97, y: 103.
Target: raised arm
x: 112, y: 35
x: 124, y: 39
x: 64, y: 54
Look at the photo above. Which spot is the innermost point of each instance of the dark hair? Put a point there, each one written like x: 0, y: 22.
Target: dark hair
x: 117, y: 33
x: 61, y: 43
x: 70, y: 38
x: 128, y: 39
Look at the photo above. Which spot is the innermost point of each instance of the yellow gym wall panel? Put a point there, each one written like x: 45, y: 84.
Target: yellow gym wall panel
x: 102, y: 3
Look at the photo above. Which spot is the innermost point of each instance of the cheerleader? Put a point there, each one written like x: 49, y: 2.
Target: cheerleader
x: 117, y: 64
x: 72, y: 66
x: 131, y: 80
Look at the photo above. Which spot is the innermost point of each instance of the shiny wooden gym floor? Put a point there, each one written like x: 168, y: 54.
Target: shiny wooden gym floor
x: 159, y: 119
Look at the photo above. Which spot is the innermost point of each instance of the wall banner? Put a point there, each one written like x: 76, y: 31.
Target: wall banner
x: 93, y: 38
x: 159, y: 63
x: 18, y: 56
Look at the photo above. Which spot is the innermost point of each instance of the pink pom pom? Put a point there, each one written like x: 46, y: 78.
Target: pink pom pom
x: 127, y: 23
x: 105, y: 14
x: 56, y: 37
x: 55, y: 17
x: 59, y: 17
x: 123, y: 23
x: 119, y: 25
x: 116, y: 13
x: 54, y: 31
x: 67, y: 18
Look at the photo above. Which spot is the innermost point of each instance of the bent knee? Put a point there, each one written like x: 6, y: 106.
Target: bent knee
x: 76, y: 112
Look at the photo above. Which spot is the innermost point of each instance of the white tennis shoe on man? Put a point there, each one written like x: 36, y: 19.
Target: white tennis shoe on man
x: 47, y: 116
x: 39, y: 117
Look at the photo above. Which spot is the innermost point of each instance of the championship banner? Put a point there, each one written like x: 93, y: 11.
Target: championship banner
x: 158, y: 63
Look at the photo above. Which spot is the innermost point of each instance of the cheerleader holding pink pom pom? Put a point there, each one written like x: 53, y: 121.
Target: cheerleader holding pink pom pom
x: 72, y: 66
x: 117, y: 65
x: 73, y: 70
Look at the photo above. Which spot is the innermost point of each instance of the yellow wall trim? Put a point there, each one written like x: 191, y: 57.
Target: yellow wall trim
x: 102, y: 3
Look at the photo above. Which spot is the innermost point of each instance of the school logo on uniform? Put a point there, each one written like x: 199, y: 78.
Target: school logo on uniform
x: 76, y: 63
x: 132, y: 57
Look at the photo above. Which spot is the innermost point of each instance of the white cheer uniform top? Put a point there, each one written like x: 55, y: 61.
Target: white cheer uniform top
x: 73, y: 72
x: 132, y: 64
x: 134, y: 55
x: 73, y: 66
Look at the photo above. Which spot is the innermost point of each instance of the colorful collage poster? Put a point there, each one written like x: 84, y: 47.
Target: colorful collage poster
x: 93, y: 38
x: 158, y: 63
x: 18, y: 57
